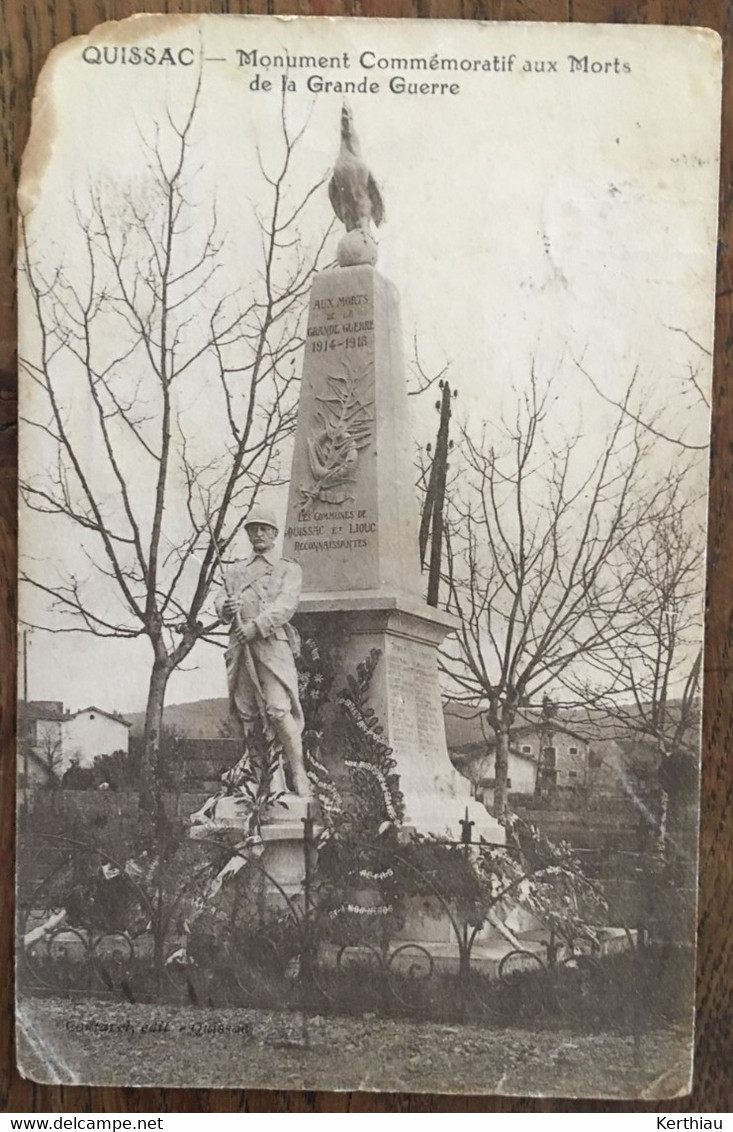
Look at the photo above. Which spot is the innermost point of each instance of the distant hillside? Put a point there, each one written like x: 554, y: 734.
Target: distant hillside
x: 596, y: 725
x: 202, y: 719
x: 463, y: 728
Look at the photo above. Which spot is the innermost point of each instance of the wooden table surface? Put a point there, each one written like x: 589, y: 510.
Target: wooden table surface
x: 29, y: 28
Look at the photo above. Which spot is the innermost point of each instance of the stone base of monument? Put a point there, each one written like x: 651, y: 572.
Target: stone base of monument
x: 426, y: 922
x: 405, y: 695
x: 282, y: 856
x: 284, y: 860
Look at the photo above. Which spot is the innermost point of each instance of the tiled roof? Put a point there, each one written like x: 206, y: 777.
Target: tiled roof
x: 99, y: 711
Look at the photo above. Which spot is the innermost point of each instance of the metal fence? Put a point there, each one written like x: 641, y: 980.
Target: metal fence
x: 91, y: 925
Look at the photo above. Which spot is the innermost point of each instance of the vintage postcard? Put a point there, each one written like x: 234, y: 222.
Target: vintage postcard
x: 365, y: 371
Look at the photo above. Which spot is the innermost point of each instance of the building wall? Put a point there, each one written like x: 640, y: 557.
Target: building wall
x: 571, y: 756
x: 522, y: 772
x: 46, y: 734
x: 90, y: 734
x: 573, y: 769
x: 46, y: 742
x: 571, y: 760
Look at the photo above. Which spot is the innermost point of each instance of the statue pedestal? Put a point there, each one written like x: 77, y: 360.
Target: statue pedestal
x: 284, y: 860
x: 283, y: 851
x: 405, y: 695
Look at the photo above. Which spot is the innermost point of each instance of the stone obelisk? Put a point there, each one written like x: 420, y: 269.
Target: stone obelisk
x: 352, y: 521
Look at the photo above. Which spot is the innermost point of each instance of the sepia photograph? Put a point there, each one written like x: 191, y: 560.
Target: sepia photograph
x: 364, y: 418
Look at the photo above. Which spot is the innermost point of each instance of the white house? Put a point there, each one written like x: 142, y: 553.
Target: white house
x: 541, y: 758
x: 51, y: 738
x: 91, y: 732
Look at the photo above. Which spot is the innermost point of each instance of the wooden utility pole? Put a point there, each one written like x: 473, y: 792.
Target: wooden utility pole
x: 431, y: 525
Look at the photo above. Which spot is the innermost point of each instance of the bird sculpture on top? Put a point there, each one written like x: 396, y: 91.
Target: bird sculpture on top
x: 355, y: 197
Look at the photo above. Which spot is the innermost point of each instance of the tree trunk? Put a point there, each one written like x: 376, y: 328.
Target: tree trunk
x: 501, y: 774
x: 151, y: 801
x: 662, y: 825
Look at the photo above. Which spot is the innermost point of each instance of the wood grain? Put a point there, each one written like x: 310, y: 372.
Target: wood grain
x: 27, y: 32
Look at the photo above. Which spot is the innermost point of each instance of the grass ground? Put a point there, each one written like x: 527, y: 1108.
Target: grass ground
x: 98, y: 1042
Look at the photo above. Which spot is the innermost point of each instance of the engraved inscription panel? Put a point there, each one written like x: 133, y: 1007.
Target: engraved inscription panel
x: 331, y: 527
x: 415, y: 715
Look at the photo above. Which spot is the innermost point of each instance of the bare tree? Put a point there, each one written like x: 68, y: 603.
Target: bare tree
x: 131, y: 345
x: 647, y: 682
x: 534, y: 534
x: 692, y: 389
x: 49, y: 754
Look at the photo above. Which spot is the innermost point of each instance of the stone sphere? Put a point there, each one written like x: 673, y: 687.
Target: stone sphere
x: 356, y: 247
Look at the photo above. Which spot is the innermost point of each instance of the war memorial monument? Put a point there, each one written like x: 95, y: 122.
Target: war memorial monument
x: 352, y: 531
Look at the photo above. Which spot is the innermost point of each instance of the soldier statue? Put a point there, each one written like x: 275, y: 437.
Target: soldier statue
x: 259, y: 599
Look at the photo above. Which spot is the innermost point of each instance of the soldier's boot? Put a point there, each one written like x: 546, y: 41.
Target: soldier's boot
x: 291, y: 742
x: 252, y: 735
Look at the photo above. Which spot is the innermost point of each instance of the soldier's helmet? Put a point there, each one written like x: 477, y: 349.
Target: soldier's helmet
x: 262, y: 516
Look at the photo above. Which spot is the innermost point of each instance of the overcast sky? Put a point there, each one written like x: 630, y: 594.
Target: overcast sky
x: 555, y: 216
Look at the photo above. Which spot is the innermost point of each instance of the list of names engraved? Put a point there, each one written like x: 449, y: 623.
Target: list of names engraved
x: 414, y: 699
